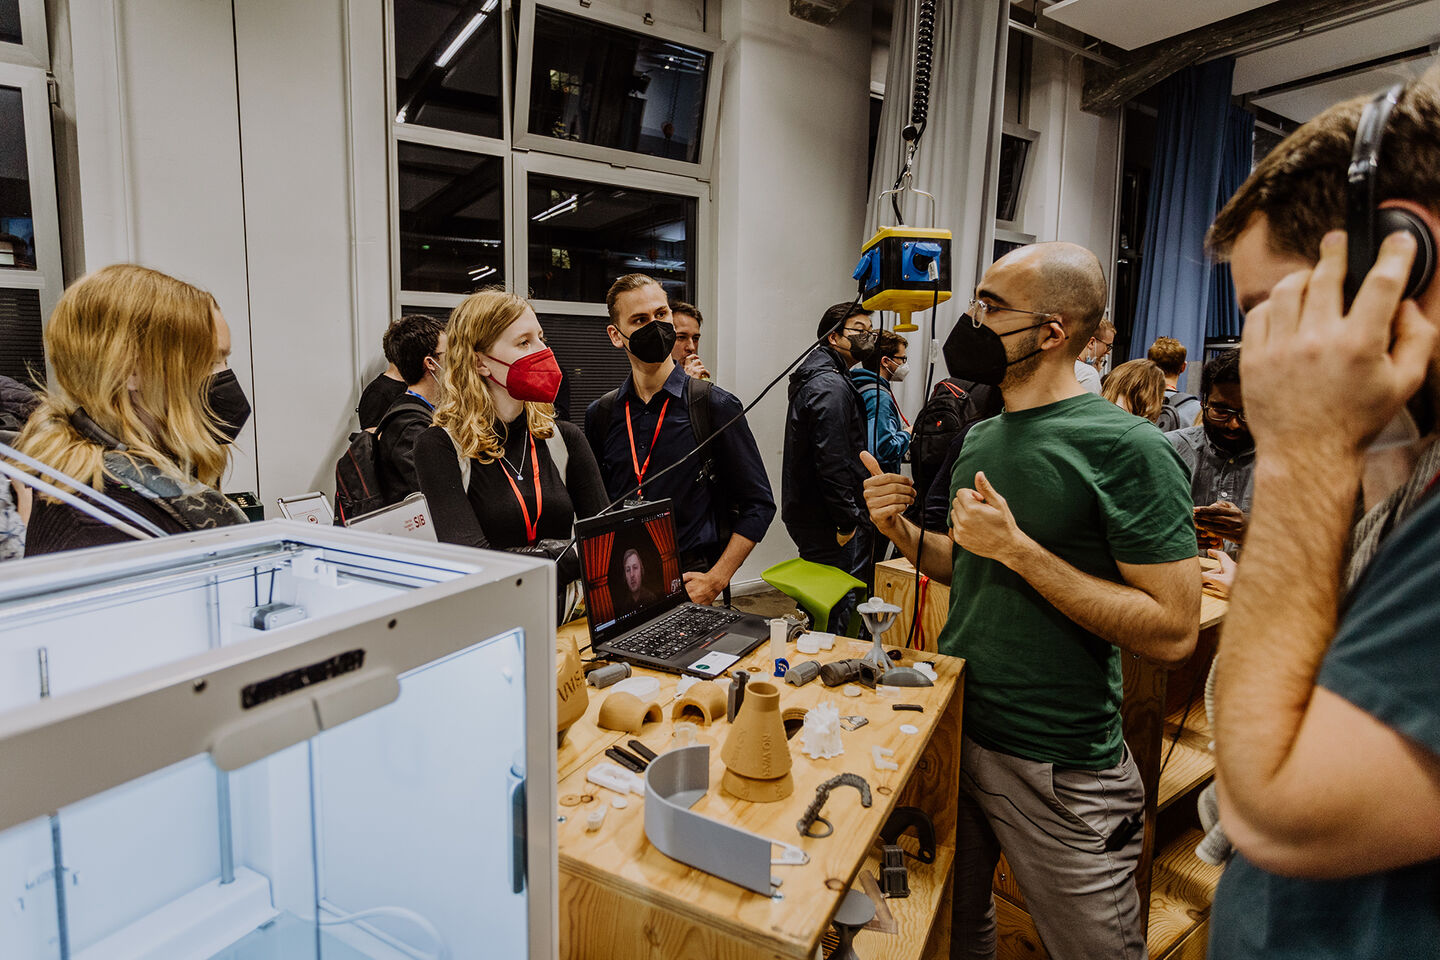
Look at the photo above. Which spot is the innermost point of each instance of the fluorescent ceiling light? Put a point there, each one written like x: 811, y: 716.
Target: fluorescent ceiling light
x: 568, y: 205
x: 490, y: 5
x: 400, y: 117
x: 480, y: 273
x: 459, y: 41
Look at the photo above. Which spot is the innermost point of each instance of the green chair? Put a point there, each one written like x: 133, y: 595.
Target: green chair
x: 815, y: 586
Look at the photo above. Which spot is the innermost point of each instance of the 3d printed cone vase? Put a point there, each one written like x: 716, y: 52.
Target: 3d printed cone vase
x: 756, y: 753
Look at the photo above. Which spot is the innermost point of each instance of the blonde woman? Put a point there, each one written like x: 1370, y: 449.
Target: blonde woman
x: 489, y: 466
x: 1136, y: 386
x: 142, y: 406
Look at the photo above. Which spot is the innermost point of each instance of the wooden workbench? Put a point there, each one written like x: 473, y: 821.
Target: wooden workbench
x: 622, y: 898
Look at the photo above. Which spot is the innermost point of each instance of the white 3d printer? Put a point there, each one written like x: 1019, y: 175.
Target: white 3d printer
x: 277, y: 741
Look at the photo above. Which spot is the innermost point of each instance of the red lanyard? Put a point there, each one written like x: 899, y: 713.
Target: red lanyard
x: 634, y: 457
x: 532, y: 530
x: 897, y: 406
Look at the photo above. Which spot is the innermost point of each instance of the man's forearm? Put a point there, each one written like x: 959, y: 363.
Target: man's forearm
x: 938, y: 559
x: 1118, y: 613
x: 1281, y: 620
x: 731, y: 558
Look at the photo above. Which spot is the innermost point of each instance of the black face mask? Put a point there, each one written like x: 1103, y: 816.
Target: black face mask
x: 862, y: 345
x: 228, y: 404
x: 975, y: 352
x: 653, y: 342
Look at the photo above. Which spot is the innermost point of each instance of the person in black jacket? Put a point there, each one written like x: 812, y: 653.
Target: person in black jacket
x: 418, y: 345
x: 821, y: 479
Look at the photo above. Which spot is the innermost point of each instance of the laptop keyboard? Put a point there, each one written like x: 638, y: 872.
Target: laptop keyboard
x: 669, y: 635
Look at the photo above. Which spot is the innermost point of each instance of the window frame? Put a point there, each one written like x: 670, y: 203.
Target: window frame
x: 551, y: 165
x: 525, y: 139
x: 48, y: 276
x: 520, y: 162
x: 33, y: 50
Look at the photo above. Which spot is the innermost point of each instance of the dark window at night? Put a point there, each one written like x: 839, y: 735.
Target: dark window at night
x: 583, y: 235
x: 447, y: 65
x: 451, y: 219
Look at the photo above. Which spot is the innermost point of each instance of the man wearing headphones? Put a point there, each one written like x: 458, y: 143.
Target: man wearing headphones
x: 1328, y: 676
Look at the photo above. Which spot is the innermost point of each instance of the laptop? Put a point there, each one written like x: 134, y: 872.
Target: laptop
x: 637, y: 606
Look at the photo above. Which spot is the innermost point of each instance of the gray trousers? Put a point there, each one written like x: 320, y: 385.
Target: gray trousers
x: 1053, y: 825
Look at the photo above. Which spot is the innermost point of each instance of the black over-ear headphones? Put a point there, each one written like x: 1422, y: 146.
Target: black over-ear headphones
x: 1367, y: 224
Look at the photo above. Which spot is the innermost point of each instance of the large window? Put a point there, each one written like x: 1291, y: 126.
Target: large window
x: 452, y: 219
x: 471, y: 211
x: 30, y: 270
x: 583, y: 235
x: 448, y: 65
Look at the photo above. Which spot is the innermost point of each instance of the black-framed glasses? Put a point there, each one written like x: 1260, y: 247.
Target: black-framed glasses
x: 1222, y: 414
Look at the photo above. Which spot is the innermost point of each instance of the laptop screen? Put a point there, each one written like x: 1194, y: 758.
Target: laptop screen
x: 631, y: 568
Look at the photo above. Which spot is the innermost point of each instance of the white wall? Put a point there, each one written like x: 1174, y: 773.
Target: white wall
x: 217, y: 149
x: 1069, y: 192
x: 790, y: 196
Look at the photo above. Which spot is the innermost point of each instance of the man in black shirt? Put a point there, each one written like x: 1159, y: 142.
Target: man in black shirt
x: 418, y: 345
x: 723, y: 503
x: 387, y: 386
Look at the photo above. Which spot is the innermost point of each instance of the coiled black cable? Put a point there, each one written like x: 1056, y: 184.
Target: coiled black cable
x: 924, y: 57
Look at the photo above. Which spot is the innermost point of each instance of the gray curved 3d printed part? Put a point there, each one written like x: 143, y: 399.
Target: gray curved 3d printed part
x: 905, y: 677
x: 673, y: 782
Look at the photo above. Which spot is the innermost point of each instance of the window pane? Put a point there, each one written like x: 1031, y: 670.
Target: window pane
x: 451, y: 219
x: 22, y: 348
x: 10, y: 22
x: 584, y: 235
x: 601, y: 85
x: 447, y: 64
x: 17, y: 228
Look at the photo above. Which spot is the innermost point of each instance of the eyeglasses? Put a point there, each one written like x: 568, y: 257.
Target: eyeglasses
x: 979, y: 308
x: 1218, y: 414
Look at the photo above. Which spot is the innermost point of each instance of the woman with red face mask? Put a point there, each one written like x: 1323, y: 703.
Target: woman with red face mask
x: 490, y: 465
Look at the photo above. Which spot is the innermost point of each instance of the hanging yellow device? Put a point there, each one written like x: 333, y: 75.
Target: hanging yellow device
x: 905, y: 269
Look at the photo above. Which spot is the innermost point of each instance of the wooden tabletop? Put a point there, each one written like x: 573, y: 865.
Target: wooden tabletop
x: 791, y: 924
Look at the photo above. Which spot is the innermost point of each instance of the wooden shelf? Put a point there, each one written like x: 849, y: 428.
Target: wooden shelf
x: 1181, y: 890
x: 914, y: 915
x: 1192, y: 762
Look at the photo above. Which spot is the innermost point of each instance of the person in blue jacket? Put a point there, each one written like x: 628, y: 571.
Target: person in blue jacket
x: 887, y: 432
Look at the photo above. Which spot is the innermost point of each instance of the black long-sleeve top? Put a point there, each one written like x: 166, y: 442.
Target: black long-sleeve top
x: 487, y: 514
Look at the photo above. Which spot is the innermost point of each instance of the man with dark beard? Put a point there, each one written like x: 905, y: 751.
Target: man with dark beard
x: 1220, y: 454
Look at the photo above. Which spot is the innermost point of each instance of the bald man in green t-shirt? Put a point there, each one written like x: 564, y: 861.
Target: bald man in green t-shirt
x: 1070, y: 539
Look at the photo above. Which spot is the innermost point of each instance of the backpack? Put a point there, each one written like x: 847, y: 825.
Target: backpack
x: 357, y: 472
x: 697, y: 404
x: 949, y: 410
x: 1169, y: 418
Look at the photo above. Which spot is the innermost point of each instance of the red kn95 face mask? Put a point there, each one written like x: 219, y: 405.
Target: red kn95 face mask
x: 535, y: 377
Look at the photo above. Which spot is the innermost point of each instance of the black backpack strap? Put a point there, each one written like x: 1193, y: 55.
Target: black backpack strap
x: 697, y: 397
x: 604, y: 413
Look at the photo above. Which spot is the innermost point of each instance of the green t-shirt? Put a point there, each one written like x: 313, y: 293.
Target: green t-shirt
x: 1094, y: 485
x: 1385, y: 659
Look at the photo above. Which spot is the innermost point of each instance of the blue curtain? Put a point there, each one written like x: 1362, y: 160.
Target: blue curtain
x: 1176, y: 283
x: 1236, y: 159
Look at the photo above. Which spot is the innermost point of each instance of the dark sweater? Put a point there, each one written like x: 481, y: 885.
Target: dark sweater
x: 56, y: 526
x: 488, y: 515
x: 376, y: 398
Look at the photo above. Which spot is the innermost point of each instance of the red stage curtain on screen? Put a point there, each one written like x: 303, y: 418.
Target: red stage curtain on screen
x: 662, y: 534
x: 597, y: 572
